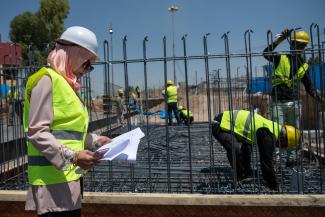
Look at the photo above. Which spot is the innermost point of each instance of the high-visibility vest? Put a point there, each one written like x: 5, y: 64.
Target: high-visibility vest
x: 12, y: 95
x: 171, y: 94
x: 184, y: 113
x: 69, y: 127
x: 281, y: 75
x: 244, y: 125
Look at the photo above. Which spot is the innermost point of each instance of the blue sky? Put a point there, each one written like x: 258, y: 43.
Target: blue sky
x: 140, y: 18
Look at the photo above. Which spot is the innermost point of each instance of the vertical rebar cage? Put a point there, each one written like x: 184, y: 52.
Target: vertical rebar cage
x: 187, y: 158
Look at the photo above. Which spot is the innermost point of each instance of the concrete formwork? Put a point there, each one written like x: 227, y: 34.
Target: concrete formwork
x: 131, y: 204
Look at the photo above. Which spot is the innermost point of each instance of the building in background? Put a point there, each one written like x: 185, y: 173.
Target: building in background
x: 10, y: 57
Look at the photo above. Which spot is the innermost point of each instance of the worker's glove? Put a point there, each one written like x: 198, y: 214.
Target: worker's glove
x: 286, y: 33
x: 282, y: 36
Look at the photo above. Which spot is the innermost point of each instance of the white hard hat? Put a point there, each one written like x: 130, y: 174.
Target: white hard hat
x: 81, y: 36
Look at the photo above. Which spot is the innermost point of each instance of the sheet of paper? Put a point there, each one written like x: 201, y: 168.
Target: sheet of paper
x: 123, y: 147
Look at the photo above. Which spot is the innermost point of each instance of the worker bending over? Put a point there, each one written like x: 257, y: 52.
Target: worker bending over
x: 186, y: 116
x: 250, y: 127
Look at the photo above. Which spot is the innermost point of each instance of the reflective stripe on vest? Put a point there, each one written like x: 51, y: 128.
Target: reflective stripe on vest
x: 67, y: 135
x: 281, y: 74
x: 171, y: 94
x: 244, y: 125
x: 38, y: 161
x: 69, y: 127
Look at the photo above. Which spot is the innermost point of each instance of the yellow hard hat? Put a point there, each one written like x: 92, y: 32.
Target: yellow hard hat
x: 180, y: 107
x: 301, y: 36
x: 120, y: 91
x: 170, y: 82
x: 293, y: 136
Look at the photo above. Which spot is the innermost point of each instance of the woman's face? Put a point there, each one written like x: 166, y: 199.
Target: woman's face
x: 298, y: 47
x: 86, y: 67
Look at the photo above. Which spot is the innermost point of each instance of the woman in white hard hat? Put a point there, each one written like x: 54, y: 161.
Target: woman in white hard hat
x: 56, y: 122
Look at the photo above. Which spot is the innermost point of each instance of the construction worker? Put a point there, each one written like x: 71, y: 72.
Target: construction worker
x: 185, y: 116
x: 120, y: 109
x: 138, y: 91
x: 250, y: 127
x: 14, y: 107
x: 56, y: 122
x: 172, y: 102
x: 289, y: 70
x: 133, y: 96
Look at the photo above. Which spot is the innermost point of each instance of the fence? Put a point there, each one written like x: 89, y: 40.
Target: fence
x: 180, y: 158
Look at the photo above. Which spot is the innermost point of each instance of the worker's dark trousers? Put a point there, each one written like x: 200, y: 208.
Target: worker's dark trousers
x: 265, y: 142
x: 172, y: 107
x: 242, y: 153
x: 187, y: 121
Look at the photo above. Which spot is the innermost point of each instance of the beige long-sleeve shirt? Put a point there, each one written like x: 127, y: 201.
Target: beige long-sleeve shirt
x: 56, y: 197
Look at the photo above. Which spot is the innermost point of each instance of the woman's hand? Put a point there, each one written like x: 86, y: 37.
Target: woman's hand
x: 102, y: 140
x: 86, y: 159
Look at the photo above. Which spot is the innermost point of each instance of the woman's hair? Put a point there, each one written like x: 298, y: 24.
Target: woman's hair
x: 66, y: 59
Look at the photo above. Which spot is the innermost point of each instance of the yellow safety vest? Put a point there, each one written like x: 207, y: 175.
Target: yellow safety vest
x: 12, y: 95
x: 69, y: 126
x: 281, y: 75
x: 185, y: 112
x: 171, y: 94
x: 244, y: 125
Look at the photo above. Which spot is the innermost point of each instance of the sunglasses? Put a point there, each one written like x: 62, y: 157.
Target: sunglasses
x: 87, y: 66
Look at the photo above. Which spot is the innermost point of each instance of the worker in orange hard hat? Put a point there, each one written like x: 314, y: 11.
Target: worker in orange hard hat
x: 251, y: 127
x: 289, y: 70
x: 172, y: 102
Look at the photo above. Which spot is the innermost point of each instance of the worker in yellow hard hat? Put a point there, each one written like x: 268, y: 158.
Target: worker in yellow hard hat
x: 289, y: 70
x: 138, y: 91
x: 249, y: 128
x: 13, y: 102
x: 185, y: 115
x: 171, y: 98
x: 133, y: 97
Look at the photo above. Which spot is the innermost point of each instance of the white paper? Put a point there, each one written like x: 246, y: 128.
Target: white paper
x: 123, y: 147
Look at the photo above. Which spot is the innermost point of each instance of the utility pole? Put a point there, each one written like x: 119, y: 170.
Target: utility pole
x: 112, y: 67
x: 196, y: 92
x: 173, y: 9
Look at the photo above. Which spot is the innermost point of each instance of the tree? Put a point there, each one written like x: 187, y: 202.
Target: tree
x: 36, y: 32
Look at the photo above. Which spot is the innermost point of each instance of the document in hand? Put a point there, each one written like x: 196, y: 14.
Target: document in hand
x: 123, y: 147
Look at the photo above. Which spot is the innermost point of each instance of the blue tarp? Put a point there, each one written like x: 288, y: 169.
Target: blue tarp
x: 163, y: 114
x: 262, y: 84
x: 4, y: 89
x: 316, y: 77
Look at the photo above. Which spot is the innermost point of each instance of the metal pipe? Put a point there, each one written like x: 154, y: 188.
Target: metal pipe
x: 188, y: 115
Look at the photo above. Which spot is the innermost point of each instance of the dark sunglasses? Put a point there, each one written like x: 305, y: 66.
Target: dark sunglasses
x: 87, y: 66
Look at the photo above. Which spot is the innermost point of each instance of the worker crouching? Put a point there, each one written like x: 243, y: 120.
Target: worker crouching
x: 250, y: 127
x: 186, y: 116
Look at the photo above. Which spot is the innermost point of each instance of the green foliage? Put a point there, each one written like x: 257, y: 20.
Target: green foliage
x: 36, y: 32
